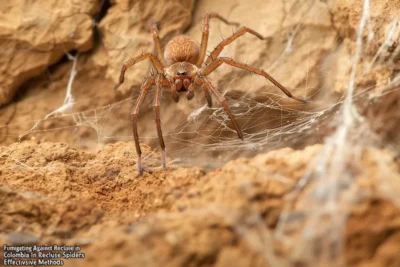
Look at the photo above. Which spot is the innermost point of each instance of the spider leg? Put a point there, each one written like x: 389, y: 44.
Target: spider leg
x: 221, y: 99
x: 157, y: 64
x: 206, y: 28
x: 157, y: 42
x: 135, y: 111
x: 207, y: 96
x: 156, y: 109
x: 218, y: 49
x: 218, y: 62
x: 199, y: 82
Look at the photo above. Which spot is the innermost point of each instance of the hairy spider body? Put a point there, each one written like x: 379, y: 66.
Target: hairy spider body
x: 182, y: 70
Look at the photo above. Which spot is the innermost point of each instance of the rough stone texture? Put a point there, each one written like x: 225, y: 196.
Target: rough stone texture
x: 36, y: 34
x: 382, y: 16
x: 180, y: 217
x: 380, y: 39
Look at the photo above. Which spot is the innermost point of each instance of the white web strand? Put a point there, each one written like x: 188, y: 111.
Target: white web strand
x: 68, y: 100
x: 333, y: 188
x: 385, y: 46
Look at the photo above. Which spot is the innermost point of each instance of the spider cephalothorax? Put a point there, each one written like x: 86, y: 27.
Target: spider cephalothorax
x: 183, y: 75
x: 182, y: 69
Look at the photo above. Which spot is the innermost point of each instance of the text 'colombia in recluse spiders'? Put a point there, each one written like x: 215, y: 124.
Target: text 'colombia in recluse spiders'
x: 182, y: 69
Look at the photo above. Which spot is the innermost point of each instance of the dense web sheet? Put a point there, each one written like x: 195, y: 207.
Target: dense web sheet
x: 203, y: 136
x: 199, y: 135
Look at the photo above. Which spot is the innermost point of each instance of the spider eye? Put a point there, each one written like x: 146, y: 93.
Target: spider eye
x: 181, y: 73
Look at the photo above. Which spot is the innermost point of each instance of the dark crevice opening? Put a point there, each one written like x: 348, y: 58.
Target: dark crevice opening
x: 105, y: 5
x: 97, y: 35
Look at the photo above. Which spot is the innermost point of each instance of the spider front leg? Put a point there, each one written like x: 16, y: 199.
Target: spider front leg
x: 207, y: 96
x: 156, y: 38
x: 157, y: 64
x: 218, y: 49
x: 199, y: 82
x: 156, y: 109
x: 219, y: 61
x: 206, y: 29
x: 221, y: 99
x: 135, y: 111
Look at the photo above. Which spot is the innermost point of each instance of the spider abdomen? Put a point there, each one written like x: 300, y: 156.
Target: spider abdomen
x: 181, y: 49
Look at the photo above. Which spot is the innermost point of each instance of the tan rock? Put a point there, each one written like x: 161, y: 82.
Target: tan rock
x: 256, y: 212
x: 379, y: 40
x: 34, y: 35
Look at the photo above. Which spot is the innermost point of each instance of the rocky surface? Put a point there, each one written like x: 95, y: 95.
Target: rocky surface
x: 52, y: 193
x: 36, y: 34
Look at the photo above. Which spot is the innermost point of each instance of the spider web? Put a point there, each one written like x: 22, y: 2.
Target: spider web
x: 203, y: 136
x: 198, y: 135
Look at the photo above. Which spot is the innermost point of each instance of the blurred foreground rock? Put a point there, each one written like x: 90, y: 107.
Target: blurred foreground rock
x: 183, y: 217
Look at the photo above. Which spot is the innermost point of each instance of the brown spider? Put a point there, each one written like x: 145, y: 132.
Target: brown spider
x: 181, y: 69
